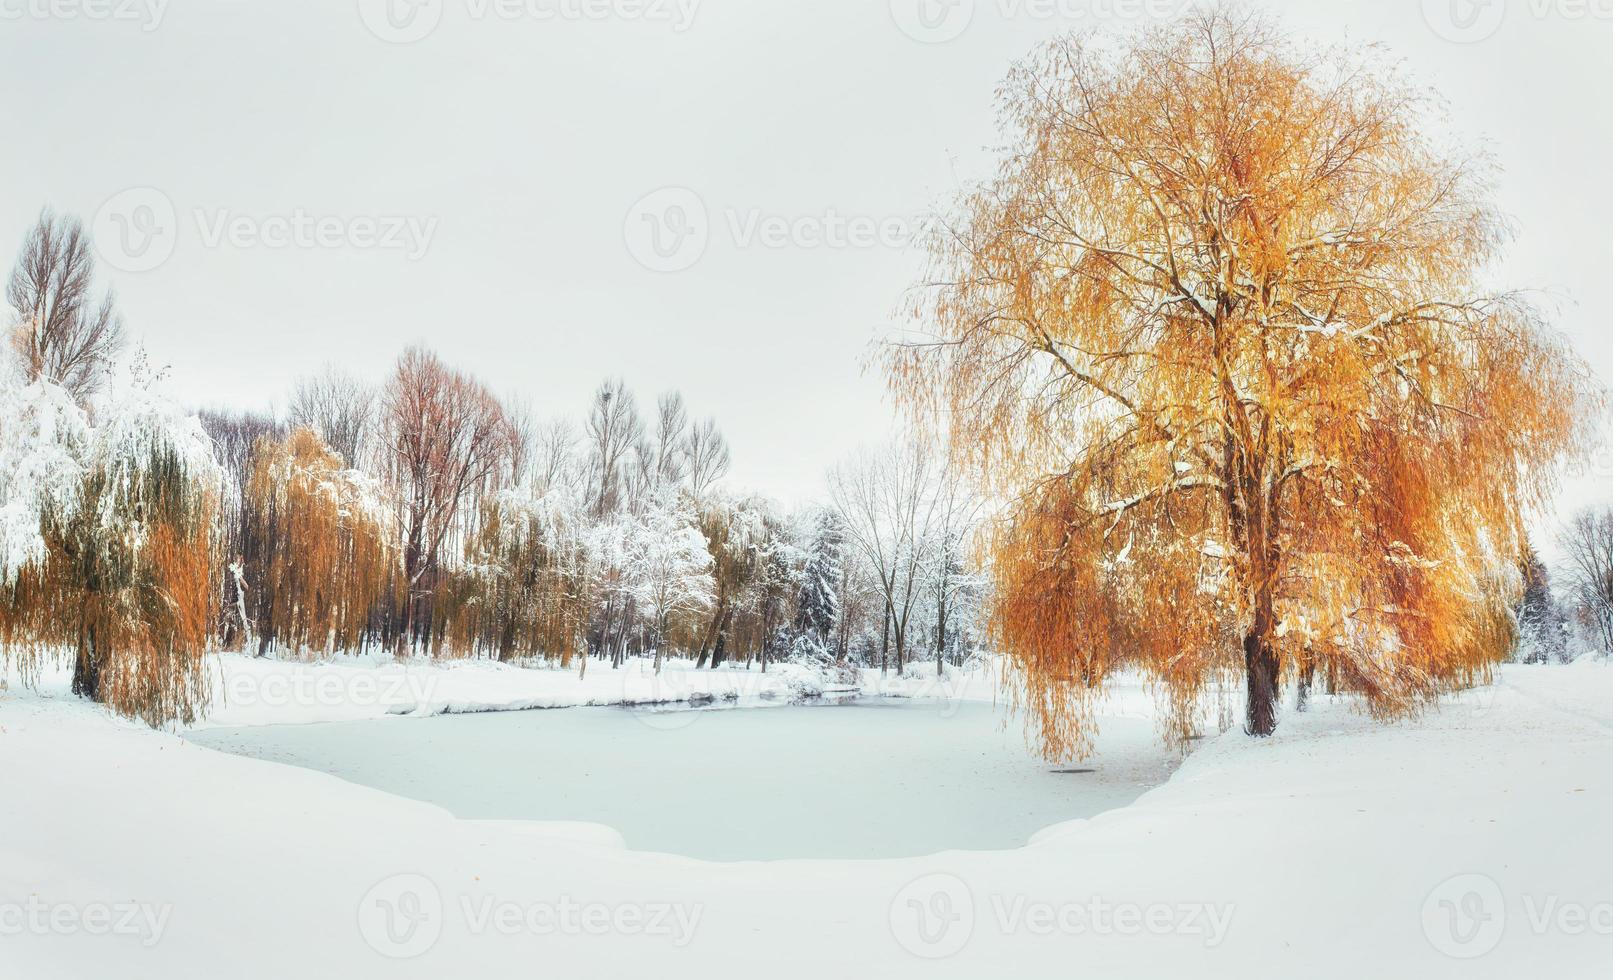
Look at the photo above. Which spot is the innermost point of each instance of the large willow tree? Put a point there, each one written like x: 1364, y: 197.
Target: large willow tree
x: 318, y: 556
x: 1217, y: 332
x: 117, y: 575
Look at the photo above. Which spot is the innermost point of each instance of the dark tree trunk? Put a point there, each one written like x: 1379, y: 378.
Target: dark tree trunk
x: 404, y: 638
x: 1260, y: 666
x: 709, y: 640
x: 87, y: 670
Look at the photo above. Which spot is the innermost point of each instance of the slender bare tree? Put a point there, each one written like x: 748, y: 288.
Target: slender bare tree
x: 65, y: 336
x: 523, y: 441
x: 957, y: 512
x: 889, y: 504
x: 554, y: 463
x: 705, y: 457
x: 445, y: 436
x: 614, y: 432
x: 340, y: 409
x: 671, y: 431
x: 1588, y: 544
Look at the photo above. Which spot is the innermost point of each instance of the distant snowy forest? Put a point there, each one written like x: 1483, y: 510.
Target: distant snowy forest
x: 423, y: 515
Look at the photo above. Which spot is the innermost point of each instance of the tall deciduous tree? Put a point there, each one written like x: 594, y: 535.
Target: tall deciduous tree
x: 667, y: 463
x: 671, y: 566
x: 614, y: 431
x: 1217, y: 332
x: 445, y: 436
x: 66, y: 336
x: 317, y: 548
x: 338, y: 408
x: 1588, y: 544
x: 888, y: 504
x: 705, y: 457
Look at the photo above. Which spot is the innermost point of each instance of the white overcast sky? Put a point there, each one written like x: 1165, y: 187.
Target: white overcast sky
x: 527, y: 140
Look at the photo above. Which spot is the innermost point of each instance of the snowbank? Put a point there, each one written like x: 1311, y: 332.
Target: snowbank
x: 250, y: 691
x: 1472, y: 843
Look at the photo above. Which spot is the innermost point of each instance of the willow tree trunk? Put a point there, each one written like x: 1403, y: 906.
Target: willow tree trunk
x: 1260, y: 668
x: 86, y: 668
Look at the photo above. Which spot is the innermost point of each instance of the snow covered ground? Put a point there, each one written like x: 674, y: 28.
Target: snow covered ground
x: 250, y: 691
x: 1474, y: 842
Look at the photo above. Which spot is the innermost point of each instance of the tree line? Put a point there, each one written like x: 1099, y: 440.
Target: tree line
x: 424, y: 515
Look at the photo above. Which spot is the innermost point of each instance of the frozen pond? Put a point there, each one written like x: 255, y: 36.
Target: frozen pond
x: 860, y: 779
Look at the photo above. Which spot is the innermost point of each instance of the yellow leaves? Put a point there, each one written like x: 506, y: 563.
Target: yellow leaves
x: 1399, y: 553
x: 318, y: 559
x: 1251, y: 316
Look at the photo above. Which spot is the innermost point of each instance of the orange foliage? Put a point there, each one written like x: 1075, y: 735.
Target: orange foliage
x: 126, y: 591
x: 319, y: 553
x: 1217, y: 333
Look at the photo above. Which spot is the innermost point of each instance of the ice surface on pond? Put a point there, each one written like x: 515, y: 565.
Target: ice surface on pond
x: 867, y: 778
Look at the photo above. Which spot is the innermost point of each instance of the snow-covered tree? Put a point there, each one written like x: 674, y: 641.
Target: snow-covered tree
x: 1542, y: 626
x: 119, y: 576
x: 817, y: 606
x: 43, y: 443
x: 735, y: 529
x: 671, y: 568
x: 613, y: 584
x: 526, y: 585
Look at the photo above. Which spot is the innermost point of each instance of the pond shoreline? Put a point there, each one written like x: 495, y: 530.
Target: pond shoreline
x: 849, y: 777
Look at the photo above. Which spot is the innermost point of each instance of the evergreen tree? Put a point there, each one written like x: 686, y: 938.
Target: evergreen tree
x: 818, y: 606
x: 1542, y: 634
